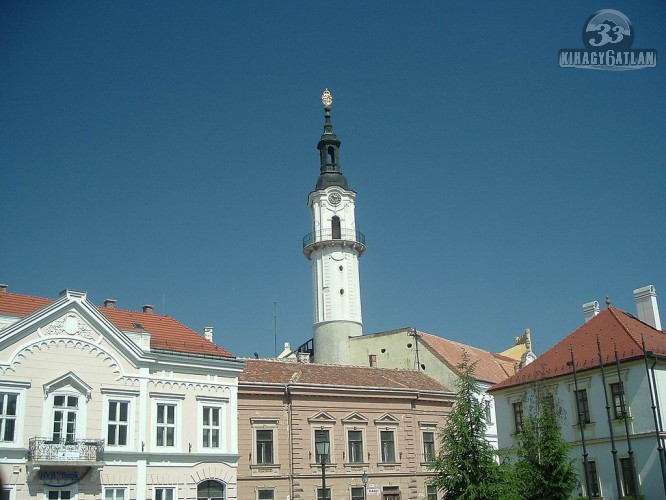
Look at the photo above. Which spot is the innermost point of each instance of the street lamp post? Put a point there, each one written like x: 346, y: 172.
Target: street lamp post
x: 364, y: 478
x: 322, y: 450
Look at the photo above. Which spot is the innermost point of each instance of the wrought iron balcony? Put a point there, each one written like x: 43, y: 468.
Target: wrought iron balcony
x: 323, y: 237
x: 43, y: 450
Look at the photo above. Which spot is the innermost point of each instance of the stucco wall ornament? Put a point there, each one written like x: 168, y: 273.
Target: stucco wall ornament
x: 71, y: 324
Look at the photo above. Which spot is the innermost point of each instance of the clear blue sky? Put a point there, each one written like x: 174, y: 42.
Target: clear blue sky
x: 162, y: 153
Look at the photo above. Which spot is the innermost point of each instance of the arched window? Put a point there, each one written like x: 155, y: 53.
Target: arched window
x: 335, y: 228
x: 210, y: 490
x: 331, y: 155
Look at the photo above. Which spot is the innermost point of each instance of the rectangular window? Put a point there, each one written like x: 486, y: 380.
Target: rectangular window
x: 583, y: 406
x: 431, y: 492
x: 264, y: 446
x: 594, y: 478
x: 628, y: 485
x: 518, y: 415
x: 211, y: 427
x: 355, y: 445
x: 65, y: 409
x: 115, y: 494
x: 487, y: 412
x: 59, y: 494
x: 8, y: 403
x: 324, y: 494
x: 617, y: 393
x: 323, y: 436
x: 429, y: 446
x: 265, y: 495
x: 358, y: 493
x: 166, y: 424
x: 165, y: 493
x: 387, y: 439
x: 118, y: 423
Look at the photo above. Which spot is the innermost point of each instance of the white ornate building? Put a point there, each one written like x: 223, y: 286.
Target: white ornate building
x: 97, y: 402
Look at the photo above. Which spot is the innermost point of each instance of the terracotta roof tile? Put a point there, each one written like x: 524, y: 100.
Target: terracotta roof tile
x: 490, y: 367
x: 283, y: 372
x: 167, y: 334
x: 613, y: 327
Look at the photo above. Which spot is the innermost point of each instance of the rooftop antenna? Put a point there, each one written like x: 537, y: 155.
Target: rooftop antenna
x: 275, y: 327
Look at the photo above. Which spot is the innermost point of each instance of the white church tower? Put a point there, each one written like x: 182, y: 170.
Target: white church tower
x: 333, y: 247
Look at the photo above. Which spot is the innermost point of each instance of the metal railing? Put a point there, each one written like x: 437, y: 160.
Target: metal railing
x: 327, y: 235
x: 45, y: 449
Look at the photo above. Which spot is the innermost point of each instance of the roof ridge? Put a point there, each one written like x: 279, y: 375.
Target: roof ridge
x: 624, y: 327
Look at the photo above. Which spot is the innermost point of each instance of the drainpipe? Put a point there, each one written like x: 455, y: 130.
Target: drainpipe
x: 572, y: 363
x: 287, y: 394
x: 630, y: 450
x: 656, y: 414
x: 618, y: 484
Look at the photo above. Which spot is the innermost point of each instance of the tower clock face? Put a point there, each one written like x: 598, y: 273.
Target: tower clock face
x: 334, y: 198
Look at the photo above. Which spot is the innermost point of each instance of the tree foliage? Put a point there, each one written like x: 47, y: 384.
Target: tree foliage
x: 544, y: 468
x: 466, y: 466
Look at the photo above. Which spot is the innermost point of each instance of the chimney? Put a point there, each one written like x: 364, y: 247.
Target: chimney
x: 590, y: 310
x: 208, y: 333
x: 646, y: 304
x: 110, y: 303
x: 148, y: 309
x: 3, y: 287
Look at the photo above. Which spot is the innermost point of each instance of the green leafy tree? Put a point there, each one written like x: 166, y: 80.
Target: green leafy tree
x: 544, y: 468
x: 466, y: 466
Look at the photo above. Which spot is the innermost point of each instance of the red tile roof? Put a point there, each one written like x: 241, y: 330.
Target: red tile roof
x: 284, y: 372
x: 613, y: 327
x: 489, y: 367
x: 167, y: 334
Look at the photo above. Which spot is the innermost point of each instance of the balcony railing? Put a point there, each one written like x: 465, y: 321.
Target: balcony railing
x: 44, y: 449
x: 327, y: 235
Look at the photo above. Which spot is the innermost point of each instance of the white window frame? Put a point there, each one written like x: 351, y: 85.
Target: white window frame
x: 129, y: 397
x: 173, y: 400
x: 81, y: 413
x: 433, y: 431
x: 222, y: 404
x: 115, y: 489
x: 11, y: 490
x: 19, y: 389
x: 165, y: 487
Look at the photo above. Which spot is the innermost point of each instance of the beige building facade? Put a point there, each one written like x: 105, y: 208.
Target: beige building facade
x: 101, y: 403
x: 380, y: 423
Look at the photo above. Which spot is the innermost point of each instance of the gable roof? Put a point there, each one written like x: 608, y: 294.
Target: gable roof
x: 288, y: 372
x: 167, y: 334
x: 490, y: 367
x: 613, y: 327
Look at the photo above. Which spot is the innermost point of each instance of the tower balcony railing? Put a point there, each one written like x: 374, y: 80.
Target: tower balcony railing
x: 326, y: 237
x: 44, y: 450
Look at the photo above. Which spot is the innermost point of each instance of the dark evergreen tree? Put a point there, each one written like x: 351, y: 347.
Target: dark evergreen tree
x: 544, y: 468
x: 466, y: 464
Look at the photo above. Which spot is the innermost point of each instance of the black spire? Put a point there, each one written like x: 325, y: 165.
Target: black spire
x: 329, y: 153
